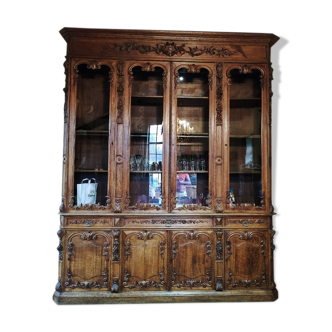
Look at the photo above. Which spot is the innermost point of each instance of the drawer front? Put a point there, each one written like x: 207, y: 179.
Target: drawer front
x: 88, y: 222
x: 247, y: 222
x: 169, y: 222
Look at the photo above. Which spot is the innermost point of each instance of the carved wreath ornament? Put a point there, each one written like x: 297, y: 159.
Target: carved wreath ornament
x: 169, y: 48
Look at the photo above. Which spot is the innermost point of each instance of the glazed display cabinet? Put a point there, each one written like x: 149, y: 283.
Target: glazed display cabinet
x: 166, y: 193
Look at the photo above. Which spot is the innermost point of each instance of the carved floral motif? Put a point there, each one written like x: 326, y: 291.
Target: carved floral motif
x: 120, y: 90
x: 169, y: 49
x: 116, y: 245
x: 87, y: 284
x: 219, y: 94
x: 144, y: 283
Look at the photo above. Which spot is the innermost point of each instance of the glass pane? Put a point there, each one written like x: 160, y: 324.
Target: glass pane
x: 91, y: 146
x: 146, y: 141
x: 192, y: 138
x: 245, y: 158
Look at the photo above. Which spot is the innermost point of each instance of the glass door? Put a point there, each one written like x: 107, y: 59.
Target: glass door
x: 245, y: 141
x: 192, y: 138
x: 91, y: 136
x: 147, y: 139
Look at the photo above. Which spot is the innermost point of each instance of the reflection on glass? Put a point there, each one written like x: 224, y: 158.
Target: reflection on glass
x: 91, y: 144
x: 245, y: 140
x: 146, y: 141
x: 192, y: 138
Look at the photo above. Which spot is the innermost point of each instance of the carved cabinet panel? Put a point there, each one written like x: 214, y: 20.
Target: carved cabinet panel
x: 192, y: 260
x: 87, y: 260
x: 145, y: 257
x: 246, y: 259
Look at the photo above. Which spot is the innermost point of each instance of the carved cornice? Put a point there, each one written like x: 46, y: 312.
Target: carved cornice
x: 169, y: 49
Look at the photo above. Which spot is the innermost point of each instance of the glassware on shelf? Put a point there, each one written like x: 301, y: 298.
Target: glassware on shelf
x: 138, y: 161
x: 245, y: 142
x: 184, y: 163
x: 132, y: 163
x: 192, y: 163
x: 146, y: 140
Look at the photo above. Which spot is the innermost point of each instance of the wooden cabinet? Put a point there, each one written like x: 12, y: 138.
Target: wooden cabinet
x: 87, y: 260
x: 145, y: 258
x: 246, y: 259
x: 166, y: 192
x: 192, y: 259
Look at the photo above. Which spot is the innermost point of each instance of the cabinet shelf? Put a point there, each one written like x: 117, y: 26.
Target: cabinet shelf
x: 91, y: 170
x: 245, y: 103
x: 193, y: 172
x: 198, y: 135
x: 92, y: 132
x: 193, y: 97
x: 246, y: 171
x: 147, y: 100
x: 158, y: 172
x: 94, y: 123
x: 192, y: 101
x: 245, y: 136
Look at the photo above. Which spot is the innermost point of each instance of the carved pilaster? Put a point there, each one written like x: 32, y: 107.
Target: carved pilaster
x: 116, y: 245
x: 120, y: 91
x: 219, y: 245
x: 219, y: 93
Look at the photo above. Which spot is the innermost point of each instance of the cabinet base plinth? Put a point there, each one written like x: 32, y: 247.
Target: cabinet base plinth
x: 165, y: 297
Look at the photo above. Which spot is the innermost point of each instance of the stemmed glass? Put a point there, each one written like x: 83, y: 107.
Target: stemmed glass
x: 138, y: 160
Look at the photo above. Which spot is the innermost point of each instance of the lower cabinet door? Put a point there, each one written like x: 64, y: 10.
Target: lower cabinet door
x: 87, y: 260
x: 246, y: 259
x: 192, y: 260
x: 145, y: 257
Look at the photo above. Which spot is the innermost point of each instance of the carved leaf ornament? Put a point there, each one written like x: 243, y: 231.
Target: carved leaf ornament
x: 169, y: 48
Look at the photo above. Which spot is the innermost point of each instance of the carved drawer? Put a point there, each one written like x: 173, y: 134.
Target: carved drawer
x: 247, y: 222
x: 168, y: 222
x: 88, y: 222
